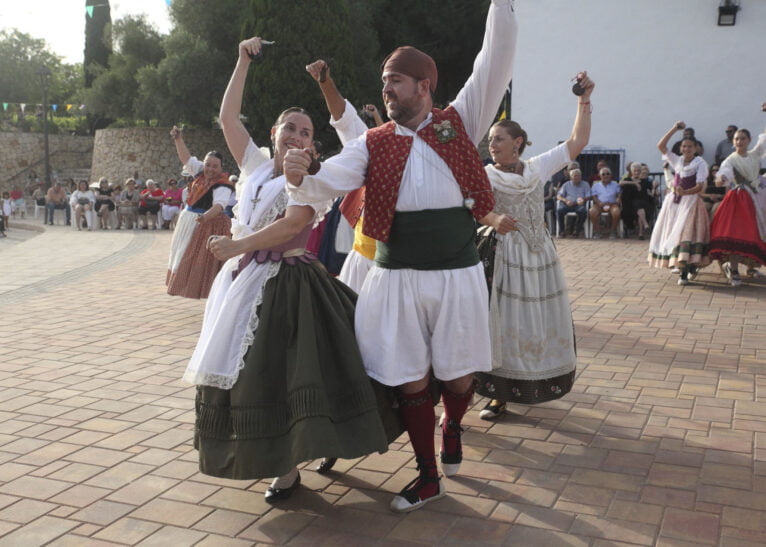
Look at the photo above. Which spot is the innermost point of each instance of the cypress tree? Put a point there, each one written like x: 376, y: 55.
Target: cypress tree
x: 98, y: 42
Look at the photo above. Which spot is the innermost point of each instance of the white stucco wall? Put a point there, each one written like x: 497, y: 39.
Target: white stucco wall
x: 653, y: 61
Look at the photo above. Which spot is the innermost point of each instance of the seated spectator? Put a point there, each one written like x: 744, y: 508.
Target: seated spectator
x: 19, y: 204
x: 7, y: 208
x: 104, y: 203
x: 127, y: 205
x: 82, y: 201
x: 712, y: 195
x: 549, y: 196
x: 57, y: 199
x: 637, y: 200
x: 39, y: 196
x: 726, y: 147
x: 171, y: 207
x: 572, y: 198
x: 71, y: 187
x: 151, y: 198
x: 596, y: 176
x: 689, y: 134
x: 606, y: 199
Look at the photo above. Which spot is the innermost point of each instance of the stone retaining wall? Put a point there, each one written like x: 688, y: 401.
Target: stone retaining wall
x: 20, y: 153
x: 118, y: 153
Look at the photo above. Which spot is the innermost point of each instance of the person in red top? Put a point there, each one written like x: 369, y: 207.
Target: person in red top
x: 151, y: 198
x: 172, y: 204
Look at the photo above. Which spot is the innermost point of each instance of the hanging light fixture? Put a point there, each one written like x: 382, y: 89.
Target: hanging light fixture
x: 727, y: 13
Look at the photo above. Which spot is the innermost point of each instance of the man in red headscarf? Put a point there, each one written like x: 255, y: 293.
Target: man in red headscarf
x: 423, y: 306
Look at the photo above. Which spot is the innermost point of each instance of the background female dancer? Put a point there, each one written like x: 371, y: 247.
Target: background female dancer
x: 279, y: 374
x: 191, y: 268
x: 738, y: 232
x: 531, y: 331
x: 682, y: 232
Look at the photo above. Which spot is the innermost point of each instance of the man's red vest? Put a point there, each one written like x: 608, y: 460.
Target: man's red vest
x: 388, y: 156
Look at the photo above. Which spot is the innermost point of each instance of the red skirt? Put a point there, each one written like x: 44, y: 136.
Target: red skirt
x: 198, y: 267
x: 735, y: 230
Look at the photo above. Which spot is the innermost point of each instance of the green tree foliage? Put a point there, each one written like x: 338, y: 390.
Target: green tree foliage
x: 98, y: 44
x: 304, y: 30
x: 114, y: 91
x: 186, y: 86
x: 200, y: 52
x: 451, y: 31
x: 20, y: 57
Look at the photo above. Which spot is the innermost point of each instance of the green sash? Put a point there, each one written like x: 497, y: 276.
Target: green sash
x: 434, y: 239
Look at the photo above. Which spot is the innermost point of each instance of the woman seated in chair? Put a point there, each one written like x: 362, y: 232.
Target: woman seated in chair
x: 171, y: 207
x: 82, y: 201
x: 151, y: 198
x: 104, y: 203
x: 637, y: 200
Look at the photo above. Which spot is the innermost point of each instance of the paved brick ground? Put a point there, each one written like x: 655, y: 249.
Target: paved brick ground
x: 662, y: 442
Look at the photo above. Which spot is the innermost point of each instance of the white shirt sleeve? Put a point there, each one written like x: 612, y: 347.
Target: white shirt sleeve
x: 726, y: 172
x: 760, y: 147
x: 193, y: 166
x: 702, y: 171
x: 349, y: 126
x: 478, y: 101
x: 550, y: 162
x: 338, y: 175
x: 251, y: 159
x: 221, y: 196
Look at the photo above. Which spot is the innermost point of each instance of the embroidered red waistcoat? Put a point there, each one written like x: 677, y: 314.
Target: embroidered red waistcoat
x: 352, y: 206
x: 388, y: 156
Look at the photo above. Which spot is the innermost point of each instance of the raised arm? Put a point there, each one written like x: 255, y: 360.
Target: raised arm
x: 373, y: 111
x: 346, y: 122
x: 234, y: 131
x: 178, y: 139
x: 663, y: 144
x: 478, y: 101
x: 581, y: 129
x: 320, y: 71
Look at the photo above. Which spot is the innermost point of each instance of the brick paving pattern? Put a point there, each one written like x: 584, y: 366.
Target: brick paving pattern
x: 661, y: 442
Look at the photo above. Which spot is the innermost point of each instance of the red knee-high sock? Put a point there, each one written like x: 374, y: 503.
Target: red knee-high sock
x: 419, y: 419
x: 455, y: 405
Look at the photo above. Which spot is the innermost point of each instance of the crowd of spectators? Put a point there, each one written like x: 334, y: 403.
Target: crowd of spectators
x: 136, y: 204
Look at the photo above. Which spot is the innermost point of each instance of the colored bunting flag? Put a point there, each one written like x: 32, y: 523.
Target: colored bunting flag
x: 69, y: 107
x: 54, y: 107
x: 23, y: 106
x: 5, y: 107
x: 89, y: 10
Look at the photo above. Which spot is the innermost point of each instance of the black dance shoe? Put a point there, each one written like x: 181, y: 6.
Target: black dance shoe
x: 275, y: 495
x: 326, y: 465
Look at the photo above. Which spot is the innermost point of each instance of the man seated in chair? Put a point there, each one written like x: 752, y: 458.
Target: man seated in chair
x: 606, y: 199
x: 572, y: 198
x: 57, y: 199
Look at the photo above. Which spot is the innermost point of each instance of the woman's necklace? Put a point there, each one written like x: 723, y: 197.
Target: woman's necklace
x: 516, y: 168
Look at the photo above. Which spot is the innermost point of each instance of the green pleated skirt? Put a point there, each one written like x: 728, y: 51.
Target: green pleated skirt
x: 303, y: 392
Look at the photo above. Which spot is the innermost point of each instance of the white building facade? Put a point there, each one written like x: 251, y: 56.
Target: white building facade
x: 653, y: 61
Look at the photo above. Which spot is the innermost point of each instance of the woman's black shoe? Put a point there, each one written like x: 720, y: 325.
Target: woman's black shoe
x: 274, y: 495
x: 326, y: 465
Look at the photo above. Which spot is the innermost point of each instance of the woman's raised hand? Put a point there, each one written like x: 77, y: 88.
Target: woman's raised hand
x: 175, y: 132
x: 317, y: 69
x: 586, y: 84
x: 249, y: 47
x: 680, y: 125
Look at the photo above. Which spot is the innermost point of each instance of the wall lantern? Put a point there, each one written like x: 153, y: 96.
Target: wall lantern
x: 727, y: 13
